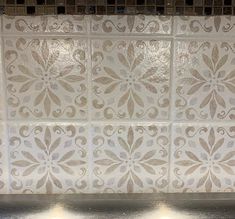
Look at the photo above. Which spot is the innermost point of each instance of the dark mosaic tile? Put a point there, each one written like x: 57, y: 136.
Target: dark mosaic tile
x: 159, y: 7
x: 31, y: 10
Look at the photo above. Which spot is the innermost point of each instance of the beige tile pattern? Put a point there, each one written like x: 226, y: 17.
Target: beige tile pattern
x: 48, y: 158
x: 46, y: 77
x: 96, y: 104
x: 137, y: 24
x: 130, y: 158
x: 203, y: 158
x: 205, y: 80
x: 205, y: 26
x: 3, y: 160
x: 45, y: 24
x: 130, y: 79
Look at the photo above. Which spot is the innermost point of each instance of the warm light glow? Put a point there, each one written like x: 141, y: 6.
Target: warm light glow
x: 165, y: 212
x: 164, y: 217
x: 58, y: 212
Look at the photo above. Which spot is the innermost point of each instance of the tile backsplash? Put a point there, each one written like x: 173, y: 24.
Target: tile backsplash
x: 97, y: 104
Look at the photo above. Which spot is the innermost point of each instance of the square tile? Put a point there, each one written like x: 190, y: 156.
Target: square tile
x: 203, y: 158
x: 130, y: 79
x: 48, y: 158
x: 205, y: 80
x: 45, y: 24
x: 137, y: 24
x: 130, y: 158
x: 46, y: 77
x: 3, y: 160
x: 205, y: 25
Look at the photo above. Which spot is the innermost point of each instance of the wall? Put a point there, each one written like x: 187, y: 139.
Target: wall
x: 117, y: 104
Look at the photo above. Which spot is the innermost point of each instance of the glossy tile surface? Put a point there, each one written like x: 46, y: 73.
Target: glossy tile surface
x: 205, y: 80
x: 48, y: 158
x: 117, y: 104
x: 45, y: 24
x: 205, y: 26
x: 130, y: 79
x: 203, y: 158
x: 131, y: 24
x: 130, y: 159
x: 46, y: 77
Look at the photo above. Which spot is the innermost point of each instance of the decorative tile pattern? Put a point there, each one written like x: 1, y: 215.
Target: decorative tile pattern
x: 45, y: 24
x: 205, y: 80
x: 207, y: 26
x: 203, y: 158
x: 48, y: 158
x: 130, y: 158
x: 46, y: 77
x: 131, y: 24
x: 115, y: 96
x: 3, y: 161
x: 130, y: 79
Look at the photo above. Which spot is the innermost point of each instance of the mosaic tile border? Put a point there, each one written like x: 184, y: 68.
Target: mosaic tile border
x: 121, y: 7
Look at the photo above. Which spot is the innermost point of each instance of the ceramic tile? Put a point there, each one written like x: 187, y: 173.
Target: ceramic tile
x: 2, y: 91
x: 3, y: 160
x: 130, y: 79
x: 46, y: 77
x: 129, y: 158
x: 205, y: 80
x: 48, y: 158
x: 45, y: 24
x: 138, y: 24
x: 205, y: 26
x: 203, y: 158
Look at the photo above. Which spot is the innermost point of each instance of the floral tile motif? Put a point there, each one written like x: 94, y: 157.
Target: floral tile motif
x: 130, y: 79
x: 46, y: 77
x: 45, y: 24
x: 3, y: 161
x: 205, y: 25
x: 131, y: 24
x: 48, y: 158
x: 130, y: 158
x: 203, y: 158
x: 205, y: 80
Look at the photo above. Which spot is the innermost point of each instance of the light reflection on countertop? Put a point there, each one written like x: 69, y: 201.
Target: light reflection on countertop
x: 118, y: 206
x: 162, y: 211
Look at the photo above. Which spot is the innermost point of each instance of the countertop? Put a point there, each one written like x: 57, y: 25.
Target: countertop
x: 112, y: 206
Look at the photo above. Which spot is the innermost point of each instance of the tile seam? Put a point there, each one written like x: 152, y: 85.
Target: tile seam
x: 90, y: 157
x: 5, y: 119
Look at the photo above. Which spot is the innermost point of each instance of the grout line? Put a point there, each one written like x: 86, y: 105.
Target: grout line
x: 89, y: 87
x: 95, y: 36
x: 214, y: 37
x: 135, y: 122
x: 5, y: 106
x: 172, y: 65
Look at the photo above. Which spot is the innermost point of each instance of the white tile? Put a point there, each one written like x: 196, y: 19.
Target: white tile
x: 204, y: 80
x: 137, y: 24
x: 203, y: 158
x: 46, y: 77
x: 45, y: 24
x: 130, y: 79
x: 130, y: 158
x: 48, y: 158
x: 205, y: 26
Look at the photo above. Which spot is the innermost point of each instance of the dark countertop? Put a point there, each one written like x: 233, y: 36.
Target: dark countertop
x: 112, y: 206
